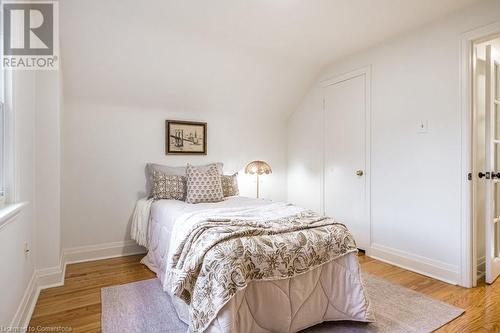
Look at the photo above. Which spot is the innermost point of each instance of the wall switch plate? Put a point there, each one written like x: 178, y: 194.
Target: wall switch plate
x: 423, y: 127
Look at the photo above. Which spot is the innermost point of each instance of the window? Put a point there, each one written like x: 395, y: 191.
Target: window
x: 7, y: 155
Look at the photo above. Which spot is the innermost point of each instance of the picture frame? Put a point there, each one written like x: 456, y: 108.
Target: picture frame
x: 185, y: 137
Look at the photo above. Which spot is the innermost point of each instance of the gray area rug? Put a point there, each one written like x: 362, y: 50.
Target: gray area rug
x: 143, y: 307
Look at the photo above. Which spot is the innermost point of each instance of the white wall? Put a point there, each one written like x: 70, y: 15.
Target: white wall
x: 416, y: 178
x: 305, y: 152
x: 105, y: 150
x: 17, y: 268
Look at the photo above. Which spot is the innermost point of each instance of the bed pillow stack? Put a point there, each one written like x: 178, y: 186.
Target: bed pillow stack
x: 203, y: 185
x: 171, y: 171
x: 207, y: 182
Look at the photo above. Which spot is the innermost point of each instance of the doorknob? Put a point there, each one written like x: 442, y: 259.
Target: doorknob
x: 359, y: 173
x: 495, y: 175
x: 482, y: 174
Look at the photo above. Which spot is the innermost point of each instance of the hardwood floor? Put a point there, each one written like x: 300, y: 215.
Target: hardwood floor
x: 77, y: 304
x: 481, y: 304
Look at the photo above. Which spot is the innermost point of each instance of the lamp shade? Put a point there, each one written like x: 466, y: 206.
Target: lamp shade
x: 258, y: 167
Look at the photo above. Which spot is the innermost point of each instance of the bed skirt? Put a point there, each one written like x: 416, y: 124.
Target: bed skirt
x: 333, y: 291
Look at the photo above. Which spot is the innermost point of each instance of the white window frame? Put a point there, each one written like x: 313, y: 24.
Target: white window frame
x: 9, y: 195
x: 3, y: 109
x: 7, y: 135
x: 10, y: 204
x: 3, y: 190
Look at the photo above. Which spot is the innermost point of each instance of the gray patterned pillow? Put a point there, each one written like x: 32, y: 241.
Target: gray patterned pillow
x: 168, y: 186
x: 230, y: 185
x: 203, y: 185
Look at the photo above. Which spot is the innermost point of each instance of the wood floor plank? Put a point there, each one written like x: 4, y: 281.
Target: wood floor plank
x: 77, y: 304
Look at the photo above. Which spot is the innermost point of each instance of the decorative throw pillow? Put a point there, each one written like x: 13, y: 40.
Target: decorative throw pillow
x: 203, y: 185
x: 168, y: 186
x: 230, y: 185
x: 170, y: 171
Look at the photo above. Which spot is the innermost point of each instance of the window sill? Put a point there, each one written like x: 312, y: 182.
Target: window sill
x: 9, y: 211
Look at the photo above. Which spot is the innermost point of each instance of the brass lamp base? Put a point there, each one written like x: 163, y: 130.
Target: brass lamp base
x: 258, y: 181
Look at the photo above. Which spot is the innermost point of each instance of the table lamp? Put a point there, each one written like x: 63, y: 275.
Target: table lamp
x: 258, y: 168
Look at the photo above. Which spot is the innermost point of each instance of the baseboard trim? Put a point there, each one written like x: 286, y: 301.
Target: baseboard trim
x: 101, y: 251
x: 54, y: 276
x: 418, y: 264
x: 27, y: 304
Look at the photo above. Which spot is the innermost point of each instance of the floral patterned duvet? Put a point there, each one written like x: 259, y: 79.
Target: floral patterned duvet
x: 216, y: 253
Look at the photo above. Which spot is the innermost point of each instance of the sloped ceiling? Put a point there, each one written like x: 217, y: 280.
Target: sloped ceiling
x: 237, y: 56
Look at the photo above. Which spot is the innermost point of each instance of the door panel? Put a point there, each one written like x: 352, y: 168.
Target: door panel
x: 345, y: 152
x: 492, y: 144
x: 496, y: 115
x: 496, y: 216
x: 497, y: 76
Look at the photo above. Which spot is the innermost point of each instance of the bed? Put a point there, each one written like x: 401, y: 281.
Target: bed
x: 330, y: 290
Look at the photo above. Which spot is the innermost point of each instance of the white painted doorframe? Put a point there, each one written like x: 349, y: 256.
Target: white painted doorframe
x: 468, y: 265
x: 366, y: 71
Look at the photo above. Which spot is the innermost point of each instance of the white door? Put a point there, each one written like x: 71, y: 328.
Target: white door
x: 492, y: 212
x: 345, y: 183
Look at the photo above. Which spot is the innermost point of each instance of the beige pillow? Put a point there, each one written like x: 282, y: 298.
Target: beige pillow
x: 203, y: 185
x: 170, y: 187
x: 230, y: 185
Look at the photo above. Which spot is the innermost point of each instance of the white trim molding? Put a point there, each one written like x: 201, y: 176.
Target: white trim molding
x: 415, y: 263
x: 25, y: 309
x: 101, y: 251
x: 54, y: 276
x: 8, y: 212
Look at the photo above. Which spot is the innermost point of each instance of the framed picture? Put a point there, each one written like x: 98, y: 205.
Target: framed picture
x: 186, y: 138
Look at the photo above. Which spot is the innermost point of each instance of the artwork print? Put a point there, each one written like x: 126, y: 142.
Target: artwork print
x: 186, y: 137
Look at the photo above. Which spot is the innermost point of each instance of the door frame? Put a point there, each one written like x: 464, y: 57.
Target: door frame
x: 468, y: 227
x: 366, y: 71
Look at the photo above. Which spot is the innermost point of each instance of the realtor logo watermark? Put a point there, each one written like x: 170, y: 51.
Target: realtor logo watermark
x: 30, y: 35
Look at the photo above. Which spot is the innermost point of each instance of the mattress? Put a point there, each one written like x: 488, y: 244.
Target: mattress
x: 333, y: 291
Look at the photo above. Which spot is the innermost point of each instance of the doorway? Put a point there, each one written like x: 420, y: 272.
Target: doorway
x: 346, y: 186
x: 485, y: 174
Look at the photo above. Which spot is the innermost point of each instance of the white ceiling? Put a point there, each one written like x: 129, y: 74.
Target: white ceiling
x: 240, y: 56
